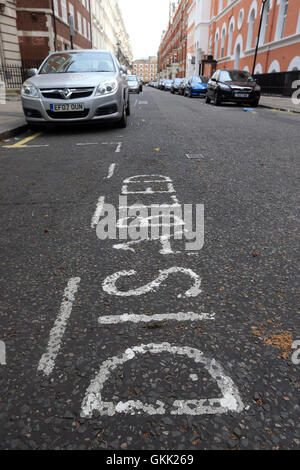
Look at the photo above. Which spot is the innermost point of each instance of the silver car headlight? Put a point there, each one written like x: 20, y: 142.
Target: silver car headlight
x: 106, y: 88
x: 29, y: 89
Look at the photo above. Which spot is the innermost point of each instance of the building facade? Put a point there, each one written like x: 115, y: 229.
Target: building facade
x: 109, y: 31
x: 9, y: 47
x: 234, y: 29
x: 197, y: 35
x: 146, y: 69
x: 172, y: 52
x: 43, y: 26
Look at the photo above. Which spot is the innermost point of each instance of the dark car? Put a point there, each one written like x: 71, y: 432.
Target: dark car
x: 175, y: 85
x: 196, y: 86
x: 182, y: 85
x: 233, y: 85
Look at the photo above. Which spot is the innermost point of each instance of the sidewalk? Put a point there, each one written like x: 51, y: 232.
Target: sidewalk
x: 277, y: 102
x: 12, y: 120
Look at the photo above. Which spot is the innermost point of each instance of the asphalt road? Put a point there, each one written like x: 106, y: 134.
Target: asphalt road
x: 152, y: 346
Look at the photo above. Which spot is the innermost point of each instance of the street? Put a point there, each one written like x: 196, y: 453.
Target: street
x: 147, y: 345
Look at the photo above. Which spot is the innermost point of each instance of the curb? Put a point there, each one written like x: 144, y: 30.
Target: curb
x: 287, y: 110
x: 13, y: 132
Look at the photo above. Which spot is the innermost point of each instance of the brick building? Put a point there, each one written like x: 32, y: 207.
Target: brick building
x: 146, y: 69
x: 173, y: 48
x: 234, y: 28
x: 43, y: 26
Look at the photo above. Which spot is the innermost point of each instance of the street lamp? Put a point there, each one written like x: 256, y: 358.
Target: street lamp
x: 258, y: 38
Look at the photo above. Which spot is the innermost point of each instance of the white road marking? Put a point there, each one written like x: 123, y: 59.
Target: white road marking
x: 148, y: 190
x: 2, y: 353
x: 119, y: 146
x: 136, y: 102
x: 230, y: 401
x: 98, y: 212
x: 109, y: 283
x: 134, y: 318
x: 111, y: 171
x: 88, y: 143
x: 47, y: 361
x: 162, y: 180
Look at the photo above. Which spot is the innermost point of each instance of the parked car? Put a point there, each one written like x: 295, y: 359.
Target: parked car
x: 133, y: 83
x: 182, y: 86
x: 161, y: 84
x: 75, y: 86
x: 196, y: 86
x: 167, y: 85
x: 175, y: 85
x: 233, y: 85
x: 141, y: 84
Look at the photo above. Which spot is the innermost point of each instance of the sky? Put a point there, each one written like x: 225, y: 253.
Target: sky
x: 145, y: 21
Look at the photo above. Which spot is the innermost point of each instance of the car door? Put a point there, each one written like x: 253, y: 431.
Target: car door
x: 212, y: 84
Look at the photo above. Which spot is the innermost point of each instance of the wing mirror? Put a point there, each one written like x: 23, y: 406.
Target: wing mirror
x: 32, y: 72
x: 123, y: 69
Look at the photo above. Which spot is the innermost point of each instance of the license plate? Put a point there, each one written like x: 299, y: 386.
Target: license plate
x: 242, y: 95
x: 65, y: 107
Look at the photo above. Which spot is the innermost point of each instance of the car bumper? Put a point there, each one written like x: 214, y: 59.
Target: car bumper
x: 95, y: 109
x: 253, y: 96
x: 200, y: 92
x: 134, y: 89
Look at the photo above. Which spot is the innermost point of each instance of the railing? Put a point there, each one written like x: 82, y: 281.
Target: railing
x: 279, y: 83
x: 14, y: 75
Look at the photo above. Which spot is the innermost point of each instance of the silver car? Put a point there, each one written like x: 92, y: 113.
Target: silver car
x: 133, y: 83
x: 75, y: 86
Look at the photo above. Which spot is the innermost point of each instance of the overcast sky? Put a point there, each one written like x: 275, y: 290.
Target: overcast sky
x: 145, y: 20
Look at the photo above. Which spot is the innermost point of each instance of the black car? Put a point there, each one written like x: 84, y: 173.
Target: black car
x: 233, y: 85
x: 182, y: 86
x: 175, y: 85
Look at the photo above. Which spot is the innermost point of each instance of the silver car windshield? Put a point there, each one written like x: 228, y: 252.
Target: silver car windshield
x: 78, y: 62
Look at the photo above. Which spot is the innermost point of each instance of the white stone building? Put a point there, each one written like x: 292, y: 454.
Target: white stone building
x: 109, y: 31
x: 198, y: 33
x: 9, y: 45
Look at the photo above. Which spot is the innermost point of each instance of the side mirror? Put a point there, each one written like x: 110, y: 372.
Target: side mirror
x: 32, y: 72
x: 213, y: 80
x: 123, y: 69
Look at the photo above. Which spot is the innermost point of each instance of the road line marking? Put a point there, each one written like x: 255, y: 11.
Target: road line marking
x: 110, y: 171
x: 136, y: 102
x: 98, y: 212
x: 230, y: 402
x: 118, y: 149
x: 47, y: 360
x: 87, y: 143
x: 134, y: 318
x: 25, y: 146
x: 24, y: 141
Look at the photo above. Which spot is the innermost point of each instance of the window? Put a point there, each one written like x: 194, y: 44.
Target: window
x: 79, y: 24
x: 230, y: 37
x: 223, y: 42
x: 216, y: 45
x: 71, y: 10
x: 281, y: 20
x: 285, y: 9
x: 264, y: 24
x: 237, y: 56
x: 250, y: 29
x: 64, y: 13
x: 55, y: 6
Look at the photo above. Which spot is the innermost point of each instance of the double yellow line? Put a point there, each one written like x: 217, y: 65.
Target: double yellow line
x: 23, y: 142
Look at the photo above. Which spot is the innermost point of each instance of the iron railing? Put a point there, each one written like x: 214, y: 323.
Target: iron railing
x: 14, y: 75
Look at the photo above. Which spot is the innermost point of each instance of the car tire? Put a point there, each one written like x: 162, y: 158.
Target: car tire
x: 123, y: 121
x: 217, y: 99
x: 255, y: 104
x: 190, y: 95
x: 34, y: 127
x: 207, y: 99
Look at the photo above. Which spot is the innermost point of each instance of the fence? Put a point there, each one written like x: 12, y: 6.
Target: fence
x: 14, y: 75
x: 279, y: 83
